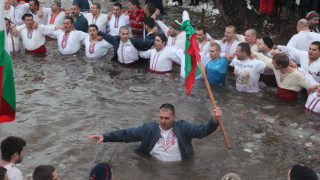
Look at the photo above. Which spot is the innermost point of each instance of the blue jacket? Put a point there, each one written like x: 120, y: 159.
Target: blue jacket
x: 81, y: 24
x: 138, y: 43
x: 83, y: 5
x: 149, y: 134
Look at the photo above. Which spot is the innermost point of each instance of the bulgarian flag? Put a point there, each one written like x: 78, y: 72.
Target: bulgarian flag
x: 7, y: 90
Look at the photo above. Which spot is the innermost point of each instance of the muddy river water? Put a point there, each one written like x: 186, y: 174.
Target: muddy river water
x: 63, y: 99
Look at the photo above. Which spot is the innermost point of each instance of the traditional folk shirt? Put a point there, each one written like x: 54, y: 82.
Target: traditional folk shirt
x: 57, y: 19
x: 178, y: 41
x: 136, y: 23
x: 101, y: 21
x: 161, y: 61
x: 204, y: 47
x: 228, y: 48
x: 303, y: 39
x: 98, y: 49
x: 17, y: 12
x: 313, y: 102
x: 301, y: 57
x: 127, y: 53
x: 116, y: 22
x: 12, y: 42
x: 69, y: 43
x: 44, y: 19
x: 7, y: 13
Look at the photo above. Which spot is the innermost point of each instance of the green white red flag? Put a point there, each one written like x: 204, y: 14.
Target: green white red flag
x: 7, y: 89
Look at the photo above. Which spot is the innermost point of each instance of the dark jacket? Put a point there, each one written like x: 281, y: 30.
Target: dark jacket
x: 83, y: 5
x: 138, y: 43
x: 149, y: 134
x: 81, y: 24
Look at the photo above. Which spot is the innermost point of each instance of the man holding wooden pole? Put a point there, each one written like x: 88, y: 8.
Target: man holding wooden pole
x: 166, y: 140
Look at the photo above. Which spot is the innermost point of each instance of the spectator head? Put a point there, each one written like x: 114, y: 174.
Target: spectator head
x: 93, y: 31
x: 166, y: 116
x: 75, y: 10
x: 13, y: 149
x: 149, y: 8
x: 8, y: 22
x: 101, y: 171
x: 45, y: 172
x: 95, y: 9
x: 160, y: 42
x: 265, y: 45
x: 201, y: 33
x: 302, y: 25
x: 243, y: 51
x: 231, y: 176
x: 251, y: 36
x: 314, y: 50
x: 117, y: 7
x: 124, y: 33
x: 230, y: 33
x: 3, y: 174
x: 215, y: 51
x: 56, y: 5
x: 7, y: 5
x: 313, y: 18
x: 133, y: 5
x: 34, y: 5
x: 68, y: 24
x: 280, y: 61
x: 301, y: 172
x: 149, y: 22
x: 175, y: 28
x: 14, y: 2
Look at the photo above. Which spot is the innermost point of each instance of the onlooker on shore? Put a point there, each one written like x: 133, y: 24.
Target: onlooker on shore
x: 3, y: 174
x: 45, y: 172
x: 301, y: 172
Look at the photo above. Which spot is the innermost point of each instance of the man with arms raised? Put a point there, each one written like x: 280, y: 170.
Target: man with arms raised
x: 117, y: 20
x: 17, y: 11
x: 313, y: 21
x: 308, y: 60
x: 162, y: 56
x: 203, y: 43
x: 69, y: 39
x: 56, y: 16
x: 95, y: 17
x: 34, y: 10
x: 246, y: 70
x: 12, y: 153
x: 80, y: 22
x: 168, y: 140
x: 94, y: 47
x: 304, y: 38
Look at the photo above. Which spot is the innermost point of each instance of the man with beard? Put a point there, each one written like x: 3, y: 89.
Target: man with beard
x: 203, y: 43
x: 12, y: 153
x: 313, y: 20
x: 80, y: 22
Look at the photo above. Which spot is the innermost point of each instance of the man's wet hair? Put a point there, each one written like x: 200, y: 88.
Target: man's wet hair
x: 232, y: 27
x: 245, y: 47
x: 151, y: 8
x: 202, y: 28
x: 118, y: 5
x: 135, y: 2
x: 165, y: 107
x: 11, y: 145
x: 26, y: 15
x: 36, y: 2
x: 123, y: 28
x: 281, y: 59
x: 149, y: 21
x: 317, y: 43
x: 163, y: 38
x: 75, y: 4
x: 98, y: 6
x: 6, y: 19
x: 3, y: 171
x: 93, y: 25
x: 216, y: 46
x: 43, y: 172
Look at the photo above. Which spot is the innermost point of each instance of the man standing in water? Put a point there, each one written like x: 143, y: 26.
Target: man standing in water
x: 168, y: 140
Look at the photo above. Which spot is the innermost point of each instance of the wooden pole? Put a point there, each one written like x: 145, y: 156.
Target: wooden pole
x: 224, y: 134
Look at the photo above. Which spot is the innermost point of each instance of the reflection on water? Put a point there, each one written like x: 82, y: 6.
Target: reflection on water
x: 63, y: 99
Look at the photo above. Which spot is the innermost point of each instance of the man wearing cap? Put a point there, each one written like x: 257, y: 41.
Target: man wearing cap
x: 17, y: 10
x: 69, y: 39
x: 34, y: 10
x: 168, y: 140
x: 56, y: 16
x: 301, y: 172
x: 95, y: 17
x: 33, y: 39
x: 313, y: 20
x: 80, y: 22
x: 304, y: 38
x: 162, y: 56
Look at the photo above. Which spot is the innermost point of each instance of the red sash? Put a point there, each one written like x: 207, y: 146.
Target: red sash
x: 286, y: 94
x: 175, y: 64
x: 41, y: 50
x: 158, y: 72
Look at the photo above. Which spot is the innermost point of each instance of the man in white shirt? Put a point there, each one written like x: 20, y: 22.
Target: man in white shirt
x: 69, y: 39
x: 95, y: 17
x: 162, y: 56
x: 56, y: 16
x: 308, y: 60
x: 12, y: 40
x: 313, y: 101
x: 33, y: 39
x: 117, y: 20
x: 7, y: 9
x: 229, y: 46
x: 34, y: 9
x: 94, y: 47
x: 168, y: 140
x: 246, y: 70
x: 304, y: 38
x: 17, y: 11
x: 251, y: 38
x: 203, y: 43
x: 12, y: 153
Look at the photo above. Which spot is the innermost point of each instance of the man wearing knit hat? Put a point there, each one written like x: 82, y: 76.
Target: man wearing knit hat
x: 57, y: 16
x: 313, y: 20
x: 101, y: 171
x: 265, y: 45
x: 304, y: 38
x: 301, y: 172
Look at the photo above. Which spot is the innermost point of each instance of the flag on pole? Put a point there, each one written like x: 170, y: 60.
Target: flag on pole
x: 194, y: 53
x: 7, y: 89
